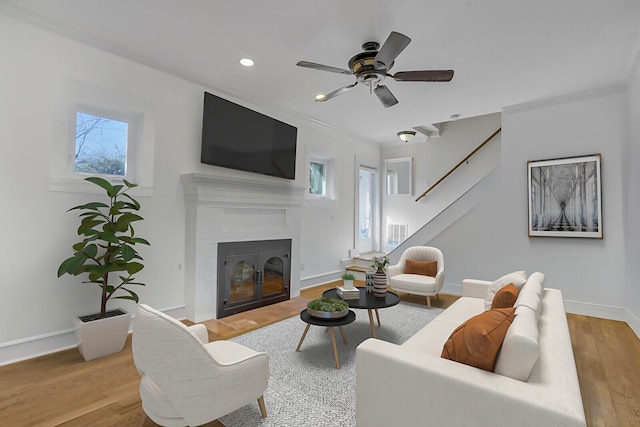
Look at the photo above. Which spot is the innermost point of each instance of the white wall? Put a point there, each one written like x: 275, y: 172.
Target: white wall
x: 39, y: 69
x: 632, y: 206
x: 492, y: 238
x: 328, y: 224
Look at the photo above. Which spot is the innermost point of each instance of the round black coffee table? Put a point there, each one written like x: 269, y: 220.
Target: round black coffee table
x: 368, y: 301
x: 329, y: 324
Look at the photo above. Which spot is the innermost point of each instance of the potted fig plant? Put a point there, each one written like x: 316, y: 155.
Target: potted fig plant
x: 108, y: 256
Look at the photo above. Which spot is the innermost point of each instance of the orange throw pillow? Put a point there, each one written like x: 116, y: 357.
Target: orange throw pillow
x: 426, y: 268
x: 505, y: 297
x: 477, y: 341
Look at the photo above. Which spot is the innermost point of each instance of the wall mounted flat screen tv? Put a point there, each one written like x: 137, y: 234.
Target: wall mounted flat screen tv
x: 238, y: 138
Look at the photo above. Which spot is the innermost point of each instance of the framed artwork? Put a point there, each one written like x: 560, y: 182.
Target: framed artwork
x: 565, y: 197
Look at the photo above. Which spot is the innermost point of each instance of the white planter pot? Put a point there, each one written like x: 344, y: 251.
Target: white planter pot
x: 101, y: 337
x: 348, y: 284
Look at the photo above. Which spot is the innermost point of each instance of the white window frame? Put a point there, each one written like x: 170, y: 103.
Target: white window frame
x: 329, y: 178
x: 98, y: 101
x: 134, y: 123
x: 323, y: 194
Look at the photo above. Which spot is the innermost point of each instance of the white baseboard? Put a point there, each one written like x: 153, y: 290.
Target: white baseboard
x: 633, y: 322
x: 320, y: 279
x: 40, y: 345
x: 452, y: 289
x: 595, y: 310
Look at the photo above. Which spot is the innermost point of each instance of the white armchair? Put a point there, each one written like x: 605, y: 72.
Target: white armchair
x: 418, y: 284
x: 188, y: 381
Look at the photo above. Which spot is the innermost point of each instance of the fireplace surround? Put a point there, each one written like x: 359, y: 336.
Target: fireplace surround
x: 223, y: 207
x: 252, y: 274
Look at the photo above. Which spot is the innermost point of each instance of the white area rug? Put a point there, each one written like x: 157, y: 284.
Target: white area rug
x: 305, y: 388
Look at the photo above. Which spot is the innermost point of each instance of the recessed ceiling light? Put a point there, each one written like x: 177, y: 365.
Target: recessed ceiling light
x: 320, y: 96
x: 247, y: 62
x: 455, y: 117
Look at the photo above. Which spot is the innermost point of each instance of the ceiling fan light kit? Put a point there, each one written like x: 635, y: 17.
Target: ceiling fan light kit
x: 372, y: 66
x: 406, y: 135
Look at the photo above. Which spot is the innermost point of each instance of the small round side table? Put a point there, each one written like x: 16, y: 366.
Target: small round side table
x: 329, y: 324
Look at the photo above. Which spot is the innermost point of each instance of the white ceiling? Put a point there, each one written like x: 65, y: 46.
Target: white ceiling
x: 504, y: 52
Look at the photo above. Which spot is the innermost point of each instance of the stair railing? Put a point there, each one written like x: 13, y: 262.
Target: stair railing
x: 460, y: 163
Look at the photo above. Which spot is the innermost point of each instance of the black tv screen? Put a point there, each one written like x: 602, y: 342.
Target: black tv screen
x: 236, y: 137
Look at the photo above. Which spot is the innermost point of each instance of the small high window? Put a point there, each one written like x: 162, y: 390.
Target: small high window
x: 101, y: 145
x: 318, y: 178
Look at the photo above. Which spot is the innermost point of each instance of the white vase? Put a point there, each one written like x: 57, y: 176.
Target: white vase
x: 101, y: 337
x: 348, y: 284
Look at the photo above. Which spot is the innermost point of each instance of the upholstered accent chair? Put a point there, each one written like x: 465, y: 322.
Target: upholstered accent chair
x: 419, y: 271
x: 187, y: 380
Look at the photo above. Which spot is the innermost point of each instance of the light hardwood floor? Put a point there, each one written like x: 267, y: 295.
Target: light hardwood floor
x: 63, y: 390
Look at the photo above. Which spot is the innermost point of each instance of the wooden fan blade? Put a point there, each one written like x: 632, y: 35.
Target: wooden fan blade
x: 321, y: 67
x: 423, y: 76
x: 391, y: 48
x: 336, y: 93
x: 385, y: 96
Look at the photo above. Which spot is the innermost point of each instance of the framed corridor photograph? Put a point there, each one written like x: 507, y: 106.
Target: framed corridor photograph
x: 565, y: 197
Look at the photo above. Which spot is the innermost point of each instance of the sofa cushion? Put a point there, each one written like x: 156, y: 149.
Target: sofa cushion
x: 505, y: 297
x: 477, y: 341
x: 531, y: 296
x: 426, y: 268
x: 518, y: 278
x: 413, y: 283
x: 460, y: 311
x: 520, y: 348
x: 538, y: 278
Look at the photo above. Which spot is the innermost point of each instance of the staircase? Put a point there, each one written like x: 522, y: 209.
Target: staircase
x: 361, y: 264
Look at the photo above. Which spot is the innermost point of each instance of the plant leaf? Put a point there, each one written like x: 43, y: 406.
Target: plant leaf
x: 132, y: 295
x: 134, y: 267
x: 71, y: 265
x: 126, y: 219
x: 90, y: 250
x: 88, y: 224
x: 78, y: 246
x: 128, y: 253
x: 108, y: 235
x: 94, y: 206
x: 115, y: 190
x: 136, y: 204
x: 129, y: 184
x: 116, y: 207
x: 101, y: 182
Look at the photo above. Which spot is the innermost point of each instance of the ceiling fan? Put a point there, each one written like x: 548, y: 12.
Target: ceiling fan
x: 372, y: 66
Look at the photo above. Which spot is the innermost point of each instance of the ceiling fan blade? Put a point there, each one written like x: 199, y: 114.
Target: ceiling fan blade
x: 336, y: 93
x: 423, y: 76
x: 323, y: 67
x: 391, y: 48
x: 385, y: 96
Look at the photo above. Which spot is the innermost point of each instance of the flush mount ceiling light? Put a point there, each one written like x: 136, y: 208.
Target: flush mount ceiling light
x: 320, y: 97
x: 247, y: 62
x: 406, y: 135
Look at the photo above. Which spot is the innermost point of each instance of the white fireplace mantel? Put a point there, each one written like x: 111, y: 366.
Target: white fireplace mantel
x: 228, y: 208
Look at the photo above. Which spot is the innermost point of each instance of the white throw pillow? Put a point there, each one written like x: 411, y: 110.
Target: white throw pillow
x: 518, y: 278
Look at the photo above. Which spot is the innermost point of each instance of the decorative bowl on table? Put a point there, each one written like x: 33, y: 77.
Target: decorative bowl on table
x: 328, y: 308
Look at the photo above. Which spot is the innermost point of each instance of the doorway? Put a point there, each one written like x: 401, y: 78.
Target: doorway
x: 366, y: 221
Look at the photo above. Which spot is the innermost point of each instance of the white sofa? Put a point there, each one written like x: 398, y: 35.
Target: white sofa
x: 412, y: 385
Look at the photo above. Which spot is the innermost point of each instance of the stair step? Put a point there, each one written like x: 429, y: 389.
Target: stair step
x: 368, y: 256
x: 360, y: 268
